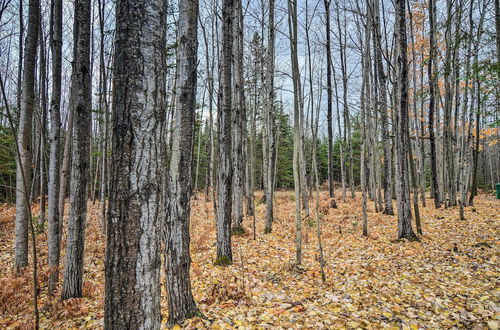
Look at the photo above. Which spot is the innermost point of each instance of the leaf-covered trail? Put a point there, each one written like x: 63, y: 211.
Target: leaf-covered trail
x: 450, y: 278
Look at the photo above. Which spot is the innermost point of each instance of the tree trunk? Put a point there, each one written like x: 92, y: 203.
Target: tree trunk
x: 80, y: 102
x: 386, y: 140
x: 432, y: 96
x: 54, y: 243
x: 181, y: 303
x: 269, y: 123
x: 403, y: 190
x: 43, y: 127
x: 297, y: 141
x: 237, y: 118
x: 23, y: 164
x: 225, y: 171
x: 64, y: 175
x: 330, y: 98
x: 134, y: 214
x: 104, y: 107
x: 341, y: 144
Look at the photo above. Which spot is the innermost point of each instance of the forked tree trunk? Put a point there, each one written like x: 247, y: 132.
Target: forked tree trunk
x: 134, y: 214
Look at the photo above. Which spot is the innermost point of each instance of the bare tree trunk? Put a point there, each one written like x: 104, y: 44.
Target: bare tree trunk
x: 475, y: 150
x: 80, y: 101
x: 19, y: 91
x: 403, y: 197
x: 330, y: 98
x: 269, y: 123
x: 464, y: 159
x: 210, y: 62
x: 364, y: 141
x: 341, y: 144
x: 346, y: 128
x: 104, y: 107
x: 315, y: 120
x: 198, y: 147
x: 65, y: 168
x: 23, y: 164
x: 386, y: 140
x: 413, y: 171
x: 237, y: 118
x: 133, y: 236
x: 225, y: 171
x: 297, y: 141
x: 181, y: 303
x: 54, y: 243
x: 43, y: 127
x: 432, y: 95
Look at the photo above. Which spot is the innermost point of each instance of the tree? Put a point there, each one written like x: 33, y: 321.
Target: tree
x: 270, y: 147
x: 133, y: 219
x: 238, y: 104
x: 386, y: 140
x: 181, y: 303
x: 224, y: 252
x: 54, y: 244
x: 297, y: 131
x: 432, y: 96
x: 330, y: 97
x: 23, y: 163
x: 402, y: 185
x: 80, y: 102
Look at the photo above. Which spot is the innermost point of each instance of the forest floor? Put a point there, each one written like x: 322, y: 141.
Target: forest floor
x: 450, y: 278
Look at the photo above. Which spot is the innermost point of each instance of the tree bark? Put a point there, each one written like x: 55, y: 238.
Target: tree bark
x: 297, y: 141
x: 181, y: 303
x: 54, y: 244
x: 103, y: 103
x: 403, y: 191
x: 432, y: 95
x: 23, y: 164
x: 237, y: 118
x: 269, y: 123
x: 330, y: 98
x: 386, y: 140
x: 224, y: 252
x: 134, y: 214
x: 80, y: 102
